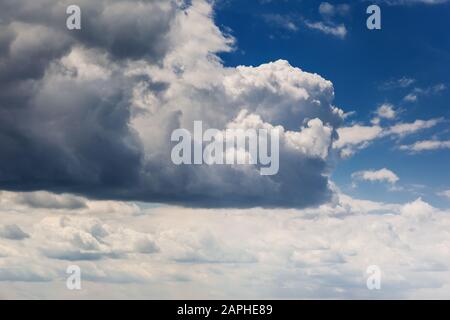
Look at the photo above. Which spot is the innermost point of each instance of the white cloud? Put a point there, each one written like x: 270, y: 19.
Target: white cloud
x: 356, y: 134
x: 282, y: 21
x: 329, y: 12
x: 386, y: 111
x: 418, y: 210
x: 432, y: 90
x: 445, y: 193
x: 359, y: 137
x: 279, y: 93
x: 426, y: 145
x: 376, y: 175
x: 403, y: 82
x: 403, y: 129
x: 76, y: 238
x: 339, y: 31
x: 313, y: 140
x: 327, y: 9
x: 410, y: 97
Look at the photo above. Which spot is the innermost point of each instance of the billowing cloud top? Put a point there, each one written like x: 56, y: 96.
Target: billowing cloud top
x: 91, y: 111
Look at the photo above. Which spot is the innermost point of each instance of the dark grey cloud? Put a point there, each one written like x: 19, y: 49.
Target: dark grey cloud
x: 12, y: 232
x: 89, y: 119
x: 91, y: 111
x: 127, y: 29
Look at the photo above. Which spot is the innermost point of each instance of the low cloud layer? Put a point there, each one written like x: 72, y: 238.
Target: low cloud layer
x: 172, y: 252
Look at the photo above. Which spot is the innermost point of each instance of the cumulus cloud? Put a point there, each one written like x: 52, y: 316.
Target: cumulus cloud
x: 384, y: 174
x: 69, y: 238
x: 386, y: 111
x: 355, y: 137
x: 98, y: 108
x: 418, y: 209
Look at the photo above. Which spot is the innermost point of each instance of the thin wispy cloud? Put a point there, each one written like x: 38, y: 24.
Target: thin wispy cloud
x: 403, y: 82
x: 339, y: 31
x: 417, y: 92
x: 426, y: 145
x: 445, y: 193
x: 328, y: 10
x: 413, y: 2
x: 329, y: 13
x: 358, y: 137
x: 282, y: 21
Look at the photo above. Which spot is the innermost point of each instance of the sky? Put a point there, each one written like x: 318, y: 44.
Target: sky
x: 86, y: 176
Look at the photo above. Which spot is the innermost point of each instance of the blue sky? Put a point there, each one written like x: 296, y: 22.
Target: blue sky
x: 363, y: 66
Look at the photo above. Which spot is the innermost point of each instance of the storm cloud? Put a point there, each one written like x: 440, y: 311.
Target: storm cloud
x: 91, y: 111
